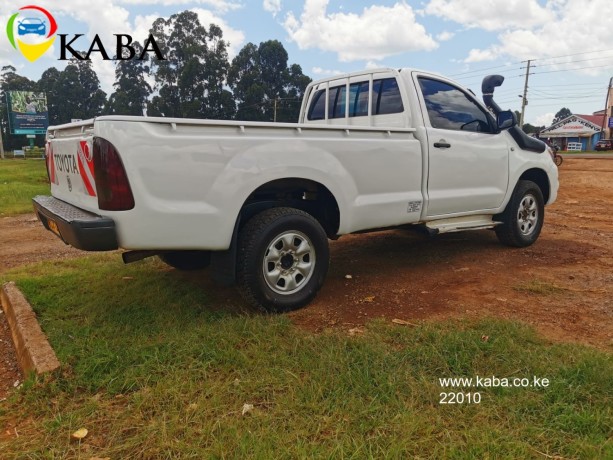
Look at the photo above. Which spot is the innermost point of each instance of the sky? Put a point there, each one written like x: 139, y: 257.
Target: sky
x: 569, y: 42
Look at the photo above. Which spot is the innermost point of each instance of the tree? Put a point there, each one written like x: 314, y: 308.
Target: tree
x: 73, y: 93
x: 245, y: 78
x: 221, y: 103
x: 261, y: 80
x: 131, y: 87
x: 49, y: 84
x: 561, y: 115
x: 190, y: 82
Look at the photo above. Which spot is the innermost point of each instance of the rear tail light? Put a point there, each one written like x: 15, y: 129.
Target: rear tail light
x: 112, y: 186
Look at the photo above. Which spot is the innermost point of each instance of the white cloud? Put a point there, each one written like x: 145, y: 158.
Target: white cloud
x: 560, y: 28
x: 544, y: 120
x: 476, y: 55
x: 221, y: 6
x: 6, y: 50
x: 376, y: 33
x: 272, y: 6
x: 142, y: 25
x: 108, y: 18
x: 492, y: 15
x: 444, y: 36
x: 325, y: 72
x: 235, y: 37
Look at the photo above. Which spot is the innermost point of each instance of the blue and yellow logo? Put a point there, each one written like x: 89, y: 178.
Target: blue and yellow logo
x: 31, y: 31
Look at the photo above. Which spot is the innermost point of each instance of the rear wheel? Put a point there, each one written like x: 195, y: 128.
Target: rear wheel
x: 523, y: 217
x: 558, y: 159
x: 187, y: 260
x: 283, y: 259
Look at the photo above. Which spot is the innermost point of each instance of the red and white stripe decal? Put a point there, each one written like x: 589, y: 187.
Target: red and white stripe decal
x: 85, y: 159
x: 51, y: 163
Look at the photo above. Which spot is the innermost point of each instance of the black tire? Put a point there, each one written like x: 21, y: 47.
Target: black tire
x: 300, y: 259
x: 522, y: 219
x: 187, y: 260
x: 558, y: 160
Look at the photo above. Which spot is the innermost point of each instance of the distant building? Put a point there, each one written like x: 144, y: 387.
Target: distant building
x: 576, y: 132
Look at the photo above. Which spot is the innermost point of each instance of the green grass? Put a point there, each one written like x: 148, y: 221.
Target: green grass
x: 539, y: 287
x: 571, y: 152
x: 20, y: 181
x: 156, y: 365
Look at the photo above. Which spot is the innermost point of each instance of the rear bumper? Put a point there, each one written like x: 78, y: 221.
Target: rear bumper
x: 76, y: 227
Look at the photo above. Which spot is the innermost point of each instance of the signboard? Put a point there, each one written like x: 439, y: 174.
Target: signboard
x: 574, y: 126
x: 28, y: 113
x: 610, y: 122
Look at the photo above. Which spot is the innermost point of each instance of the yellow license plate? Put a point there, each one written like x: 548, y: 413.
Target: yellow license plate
x: 54, y: 228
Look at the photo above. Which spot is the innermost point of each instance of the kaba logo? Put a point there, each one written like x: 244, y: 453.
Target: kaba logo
x: 123, y: 43
x: 31, y: 31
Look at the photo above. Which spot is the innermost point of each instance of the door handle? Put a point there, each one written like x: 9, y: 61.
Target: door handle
x: 442, y: 144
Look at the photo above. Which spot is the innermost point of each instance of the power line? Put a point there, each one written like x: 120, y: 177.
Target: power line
x: 600, y: 85
x: 574, y: 62
x: 573, y: 69
x: 508, y: 66
x: 483, y: 70
x: 568, y: 55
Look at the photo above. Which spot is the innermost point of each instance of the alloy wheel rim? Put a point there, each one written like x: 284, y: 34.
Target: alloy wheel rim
x: 527, y: 215
x: 289, y: 262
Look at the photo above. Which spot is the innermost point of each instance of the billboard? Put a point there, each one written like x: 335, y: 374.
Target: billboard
x: 28, y: 112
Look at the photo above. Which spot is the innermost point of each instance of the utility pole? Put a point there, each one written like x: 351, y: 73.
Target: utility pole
x: 524, y: 102
x: 275, y: 118
x: 606, y: 106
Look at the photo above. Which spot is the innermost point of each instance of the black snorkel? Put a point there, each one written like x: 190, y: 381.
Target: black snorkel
x: 489, y: 85
x: 507, y: 119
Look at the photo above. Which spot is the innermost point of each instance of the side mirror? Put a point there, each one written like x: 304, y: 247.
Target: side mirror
x: 506, y: 119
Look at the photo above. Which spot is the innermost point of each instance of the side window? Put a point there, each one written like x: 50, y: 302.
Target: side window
x: 336, y: 102
x: 450, y: 108
x: 317, y: 111
x: 386, y: 97
x: 358, y: 99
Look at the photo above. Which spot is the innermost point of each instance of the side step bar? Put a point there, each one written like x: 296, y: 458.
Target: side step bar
x: 458, y: 224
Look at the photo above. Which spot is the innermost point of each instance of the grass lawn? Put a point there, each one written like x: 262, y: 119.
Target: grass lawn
x: 156, y: 366
x: 20, y: 181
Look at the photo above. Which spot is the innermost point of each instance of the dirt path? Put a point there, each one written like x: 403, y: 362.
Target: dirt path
x: 562, y: 285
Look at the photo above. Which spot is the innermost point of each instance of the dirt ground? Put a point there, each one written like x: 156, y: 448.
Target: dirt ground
x: 562, y: 285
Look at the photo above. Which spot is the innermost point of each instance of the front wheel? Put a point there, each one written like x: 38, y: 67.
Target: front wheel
x: 283, y: 259
x: 558, y: 160
x: 523, y: 217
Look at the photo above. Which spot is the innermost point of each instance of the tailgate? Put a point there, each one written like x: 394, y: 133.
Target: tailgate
x: 71, y: 164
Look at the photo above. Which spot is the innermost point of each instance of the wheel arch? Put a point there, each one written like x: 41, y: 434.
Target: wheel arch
x: 308, y: 195
x: 540, y: 178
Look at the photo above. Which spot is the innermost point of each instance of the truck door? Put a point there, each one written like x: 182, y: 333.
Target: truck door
x: 468, y: 158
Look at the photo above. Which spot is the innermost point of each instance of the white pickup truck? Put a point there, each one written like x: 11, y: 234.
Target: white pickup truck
x: 258, y: 201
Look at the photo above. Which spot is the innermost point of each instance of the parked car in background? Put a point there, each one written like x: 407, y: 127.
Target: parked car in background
x: 604, y: 144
